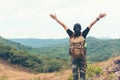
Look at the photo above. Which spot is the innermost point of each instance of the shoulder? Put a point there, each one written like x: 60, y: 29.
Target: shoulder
x: 87, y: 29
x: 85, y: 32
x: 70, y: 32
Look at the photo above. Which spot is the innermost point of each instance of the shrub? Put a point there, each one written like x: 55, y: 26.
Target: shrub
x: 93, y: 71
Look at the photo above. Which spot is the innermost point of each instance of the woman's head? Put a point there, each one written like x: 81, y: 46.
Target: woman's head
x: 77, y: 29
x: 77, y: 26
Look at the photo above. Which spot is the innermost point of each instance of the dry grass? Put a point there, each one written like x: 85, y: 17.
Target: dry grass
x: 9, y: 72
x: 107, y: 67
x: 107, y: 63
x: 54, y: 76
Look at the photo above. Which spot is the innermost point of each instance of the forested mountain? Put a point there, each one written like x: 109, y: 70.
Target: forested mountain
x: 19, y: 57
x: 55, y: 56
x: 15, y: 45
x: 28, y: 57
x: 97, y: 49
x: 36, y: 43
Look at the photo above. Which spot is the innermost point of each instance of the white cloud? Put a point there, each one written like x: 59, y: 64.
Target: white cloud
x: 33, y: 17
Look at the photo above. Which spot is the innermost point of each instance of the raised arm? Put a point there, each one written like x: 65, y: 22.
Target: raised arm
x: 53, y: 16
x: 101, y: 15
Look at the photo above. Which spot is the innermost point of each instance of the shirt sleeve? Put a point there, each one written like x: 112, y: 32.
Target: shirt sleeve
x: 69, y: 32
x: 85, y: 32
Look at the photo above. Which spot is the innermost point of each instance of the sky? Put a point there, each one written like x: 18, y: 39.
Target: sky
x: 30, y: 18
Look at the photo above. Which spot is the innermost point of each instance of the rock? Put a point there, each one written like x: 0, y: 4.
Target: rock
x: 114, y: 69
x: 117, y: 62
x: 117, y: 75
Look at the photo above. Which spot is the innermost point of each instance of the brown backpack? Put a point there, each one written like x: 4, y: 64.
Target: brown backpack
x: 77, y: 46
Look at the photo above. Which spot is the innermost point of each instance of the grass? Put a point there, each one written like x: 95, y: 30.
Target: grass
x: 3, y: 78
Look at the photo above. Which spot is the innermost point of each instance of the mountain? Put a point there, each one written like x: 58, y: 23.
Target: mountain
x: 28, y: 57
x: 15, y: 45
x: 55, y: 57
x: 20, y: 58
x: 52, y: 56
x: 97, y: 49
x: 36, y: 43
x: 102, y: 49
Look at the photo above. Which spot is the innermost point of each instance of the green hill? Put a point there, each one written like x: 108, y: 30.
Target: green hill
x: 15, y: 45
x: 36, y: 43
x: 28, y: 57
x: 97, y: 49
x: 19, y: 57
x: 55, y: 56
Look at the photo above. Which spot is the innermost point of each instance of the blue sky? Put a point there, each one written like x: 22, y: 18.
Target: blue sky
x: 30, y: 18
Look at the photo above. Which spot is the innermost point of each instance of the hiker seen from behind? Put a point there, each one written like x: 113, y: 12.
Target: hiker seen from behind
x: 77, y: 50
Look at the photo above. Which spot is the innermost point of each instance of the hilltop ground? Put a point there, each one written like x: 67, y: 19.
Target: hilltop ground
x: 9, y: 72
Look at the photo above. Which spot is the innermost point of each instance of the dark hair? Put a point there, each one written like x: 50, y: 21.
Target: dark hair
x: 77, y: 25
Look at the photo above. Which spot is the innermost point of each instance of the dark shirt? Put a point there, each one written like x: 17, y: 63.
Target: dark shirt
x: 84, y: 33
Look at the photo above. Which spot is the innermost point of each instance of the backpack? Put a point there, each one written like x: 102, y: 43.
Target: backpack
x: 77, y: 46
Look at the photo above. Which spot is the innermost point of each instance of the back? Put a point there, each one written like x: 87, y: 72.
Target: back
x: 77, y: 46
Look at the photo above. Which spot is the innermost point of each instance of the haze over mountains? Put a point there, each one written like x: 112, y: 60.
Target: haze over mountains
x: 36, y: 43
x: 97, y: 49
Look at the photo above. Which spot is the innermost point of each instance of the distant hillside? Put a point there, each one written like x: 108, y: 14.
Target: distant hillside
x: 97, y: 49
x: 20, y: 58
x: 28, y: 57
x: 55, y: 56
x: 102, y: 49
x: 15, y: 45
x: 36, y: 43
